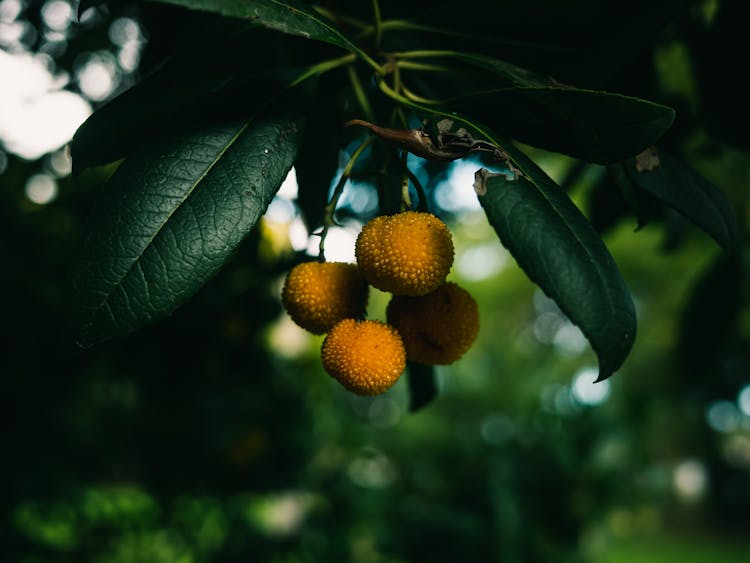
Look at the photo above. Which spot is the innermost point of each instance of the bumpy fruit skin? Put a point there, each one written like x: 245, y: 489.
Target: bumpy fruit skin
x: 437, y: 328
x: 408, y: 253
x: 366, y: 357
x: 317, y: 295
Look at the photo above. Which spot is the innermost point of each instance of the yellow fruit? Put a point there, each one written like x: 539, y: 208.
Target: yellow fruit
x: 317, y: 295
x: 409, y: 253
x: 437, y: 328
x: 366, y: 357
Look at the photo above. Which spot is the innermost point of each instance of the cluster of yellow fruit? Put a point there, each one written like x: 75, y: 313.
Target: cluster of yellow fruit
x: 430, y: 321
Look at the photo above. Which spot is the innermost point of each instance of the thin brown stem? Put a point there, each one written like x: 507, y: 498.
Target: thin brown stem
x: 405, y: 199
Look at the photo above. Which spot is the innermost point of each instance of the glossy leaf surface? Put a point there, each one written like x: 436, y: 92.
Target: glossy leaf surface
x: 560, y: 251
x: 172, y: 214
x: 682, y: 188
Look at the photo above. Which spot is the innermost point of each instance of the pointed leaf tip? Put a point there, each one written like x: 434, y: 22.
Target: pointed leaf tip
x: 422, y: 385
x: 679, y: 186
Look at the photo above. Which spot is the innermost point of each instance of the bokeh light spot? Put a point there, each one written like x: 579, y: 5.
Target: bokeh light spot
x: 60, y: 163
x: 360, y: 197
x: 289, y: 187
x: 287, y: 339
x: 298, y: 236
x: 339, y: 244
x: 722, y: 416
x: 690, y: 480
x: 481, y: 261
x: 10, y: 10
x: 36, y: 117
x: 57, y: 14
x: 546, y: 326
x: 586, y: 391
x: 123, y: 31
x: 457, y: 194
x: 743, y: 400
x: 372, y: 469
x: 41, y: 189
x: 98, y: 76
x: 280, y: 210
x: 569, y: 340
x: 497, y: 429
x: 384, y: 412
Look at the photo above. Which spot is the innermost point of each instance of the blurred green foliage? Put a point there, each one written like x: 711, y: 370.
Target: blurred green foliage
x: 193, y: 441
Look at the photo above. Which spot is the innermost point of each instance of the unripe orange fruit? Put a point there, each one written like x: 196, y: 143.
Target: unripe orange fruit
x: 366, y: 357
x: 437, y: 328
x: 408, y: 253
x: 317, y: 295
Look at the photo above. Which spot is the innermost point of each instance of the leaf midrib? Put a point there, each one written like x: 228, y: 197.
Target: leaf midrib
x: 136, y: 261
x: 602, y: 281
x: 574, y: 91
x: 709, y: 197
x: 323, y: 23
x: 591, y: 260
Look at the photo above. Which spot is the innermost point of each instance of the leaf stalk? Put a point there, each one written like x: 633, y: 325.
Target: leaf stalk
x: 329, y: 219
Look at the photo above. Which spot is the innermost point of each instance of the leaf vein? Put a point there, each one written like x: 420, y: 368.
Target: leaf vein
x: 158, y: 230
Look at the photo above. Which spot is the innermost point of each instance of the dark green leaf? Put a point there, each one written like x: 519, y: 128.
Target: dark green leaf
x: 592, y: 125
x: 287, y: 16
x: 560, y: 251
x: 318, y: 156
x: 595, y: 126
x: 422, y: 385
x: 708, y: 318
x: 500, y: 71
x: 172, y: 214
x: 682, y: 188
